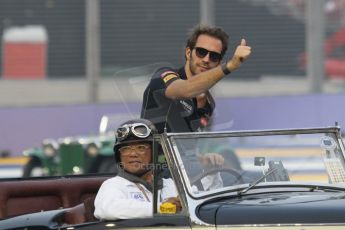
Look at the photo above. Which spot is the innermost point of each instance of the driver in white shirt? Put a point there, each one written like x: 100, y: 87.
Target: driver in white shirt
x: 129, y: 194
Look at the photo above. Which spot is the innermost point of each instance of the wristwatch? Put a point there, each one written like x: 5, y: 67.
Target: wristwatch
x: 225, y: 69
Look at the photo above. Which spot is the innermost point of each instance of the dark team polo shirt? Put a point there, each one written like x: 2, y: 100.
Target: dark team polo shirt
x: 174, y: 115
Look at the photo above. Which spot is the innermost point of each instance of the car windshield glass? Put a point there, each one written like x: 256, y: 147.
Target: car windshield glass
x: 214, y: 162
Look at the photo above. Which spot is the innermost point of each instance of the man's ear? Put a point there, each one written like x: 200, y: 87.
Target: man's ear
x: 188, y: 52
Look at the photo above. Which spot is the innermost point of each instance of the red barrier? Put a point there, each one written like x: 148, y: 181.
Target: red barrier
x: 25, y: 53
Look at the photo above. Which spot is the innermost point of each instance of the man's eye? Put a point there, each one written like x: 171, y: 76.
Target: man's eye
x: 125, y: 149
x: 141, y: 147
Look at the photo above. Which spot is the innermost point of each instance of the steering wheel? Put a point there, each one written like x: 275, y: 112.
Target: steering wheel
x: 197, y: 179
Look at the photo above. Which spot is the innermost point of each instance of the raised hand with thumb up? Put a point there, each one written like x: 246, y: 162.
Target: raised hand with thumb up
x: 242, y: 52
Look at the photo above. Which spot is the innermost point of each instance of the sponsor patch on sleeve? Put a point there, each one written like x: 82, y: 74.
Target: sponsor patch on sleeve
x: 169, y: 76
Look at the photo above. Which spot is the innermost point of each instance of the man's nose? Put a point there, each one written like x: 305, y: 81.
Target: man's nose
x: 133, y: 152
x: 206, y: 58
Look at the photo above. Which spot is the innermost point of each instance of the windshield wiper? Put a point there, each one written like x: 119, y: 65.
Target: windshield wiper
x: 269, y: 172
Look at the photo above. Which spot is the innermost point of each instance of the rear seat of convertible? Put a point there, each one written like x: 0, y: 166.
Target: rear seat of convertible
x: 28, y: 196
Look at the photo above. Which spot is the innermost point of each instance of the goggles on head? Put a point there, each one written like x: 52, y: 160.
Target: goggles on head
x: 139, y: 130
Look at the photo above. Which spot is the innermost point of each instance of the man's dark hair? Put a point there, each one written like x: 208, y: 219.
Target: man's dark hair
x: 216, y: 32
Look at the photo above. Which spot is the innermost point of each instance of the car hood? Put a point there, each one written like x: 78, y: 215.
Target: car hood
x: 276, y: 208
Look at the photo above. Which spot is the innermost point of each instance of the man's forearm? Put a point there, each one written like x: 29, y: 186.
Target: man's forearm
x: 204, y: 81
x: 195, y: 85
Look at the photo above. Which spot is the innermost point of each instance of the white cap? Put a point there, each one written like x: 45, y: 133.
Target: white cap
x: 30, y: 34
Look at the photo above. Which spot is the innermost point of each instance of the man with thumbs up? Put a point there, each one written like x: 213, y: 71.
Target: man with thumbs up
x: 178, y: 100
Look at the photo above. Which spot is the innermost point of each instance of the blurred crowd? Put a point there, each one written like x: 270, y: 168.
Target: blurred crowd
x: 335, y: 10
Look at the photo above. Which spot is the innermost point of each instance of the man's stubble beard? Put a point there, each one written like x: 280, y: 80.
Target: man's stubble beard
x: 192, y: 67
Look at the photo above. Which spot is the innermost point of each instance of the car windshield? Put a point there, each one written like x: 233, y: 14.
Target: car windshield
x: 277, y: 158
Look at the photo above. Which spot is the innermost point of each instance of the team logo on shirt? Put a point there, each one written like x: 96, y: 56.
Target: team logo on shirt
x: 168, y: 76
x: 137, y: 196
x: 186, y: 106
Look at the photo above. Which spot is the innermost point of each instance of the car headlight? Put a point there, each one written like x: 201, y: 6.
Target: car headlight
x: 50, y: 147
x: 92, y: 149
x: 49, y: 150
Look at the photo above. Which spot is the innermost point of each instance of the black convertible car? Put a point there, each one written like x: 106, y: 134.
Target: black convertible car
x: 271, y: 179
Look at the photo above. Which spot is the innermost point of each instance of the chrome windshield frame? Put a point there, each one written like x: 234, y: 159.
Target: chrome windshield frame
x: 176, y: 159
x: 191, y: 201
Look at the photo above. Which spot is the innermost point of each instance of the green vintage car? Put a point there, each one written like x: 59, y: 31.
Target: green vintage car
x: 74, y: 155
